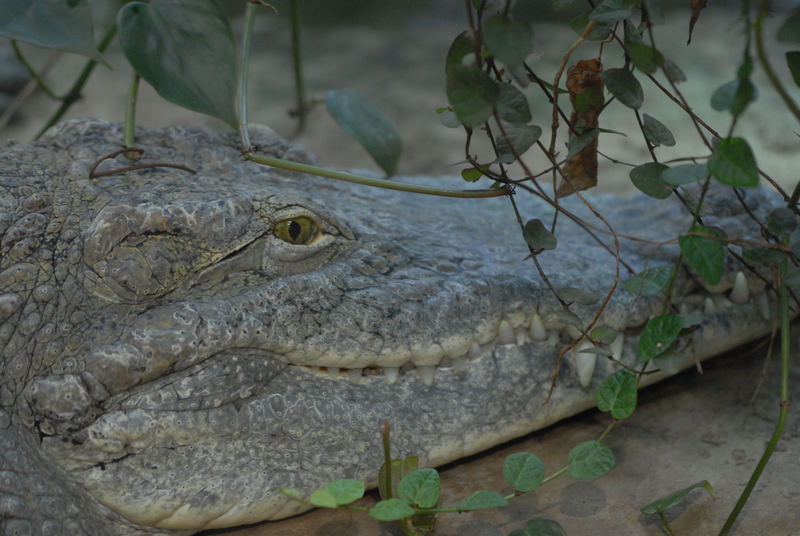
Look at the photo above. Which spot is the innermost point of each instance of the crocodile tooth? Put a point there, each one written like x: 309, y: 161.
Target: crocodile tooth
x: 426, y: 375
x: 537, y: 330
x: 474, y: 350
x: 708, y: 306
x: 333, y: 372
x: 617, y: 346
x: 505, y: 333
x: 584, y: 363
x: 391, y: 374
x: 740, y: 293
x: 521, y: 336
x: 460, y: 364
x: 721, y: 302
x: 354, y: 375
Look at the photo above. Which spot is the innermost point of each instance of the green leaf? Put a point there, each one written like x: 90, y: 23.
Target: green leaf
x: 537, y: 236
x: 624, y: 86
x: 391, y: 510
x: 540, y: 527
x: 781, y: 221
x: 463, y: 45
x: 322, y: 498
x: 650, y: 282
x: 657, y: 335
x: 345, y: 490
x: 656, y: 132
x: 508, y: 41
x: 512, y: 105
x: 399, y: 468
x: 481, y: 500
x: 645, y: 58
x: 600, y: 32
x: 790, y: 29
x: 722, y: 97
x: 578, y: 142
x: 185, y: 50
x: 472, y: 174
x: 673, y: 72
x: 521, y: 136
x: 448, y: 118
x: 665, y: 503
x: 684, y: 174
x: 471, y: 93
x: 604, y: 334
x: 523, y: 471
x: 733, y: 163
x: 364, y: 121
x: 421, y: 487
x: 50, y: 23
x: 793, y: 61
x: 647, y: 178
x: 611, y: 11
x: 589, y: 460
x: 618, y: 394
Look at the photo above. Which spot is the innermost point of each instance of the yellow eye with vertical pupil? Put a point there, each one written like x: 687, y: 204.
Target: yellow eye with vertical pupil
x: 300, y: 230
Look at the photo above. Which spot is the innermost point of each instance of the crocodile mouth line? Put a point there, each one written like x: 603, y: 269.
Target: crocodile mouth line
x: 549, y: 329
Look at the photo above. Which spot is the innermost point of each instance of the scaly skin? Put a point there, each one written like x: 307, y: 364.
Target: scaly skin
x: 169, y: 361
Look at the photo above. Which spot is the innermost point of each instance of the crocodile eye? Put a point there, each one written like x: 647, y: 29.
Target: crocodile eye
x: 300, y: 230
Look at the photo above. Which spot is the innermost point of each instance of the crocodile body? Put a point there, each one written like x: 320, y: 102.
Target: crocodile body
x: 170, y: 358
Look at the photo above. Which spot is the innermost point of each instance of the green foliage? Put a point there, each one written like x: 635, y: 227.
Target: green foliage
x: 589, y: 460
x: 370, y: 126
x: 337, y: 493
x: 399, y: 469
x: 391, y: 510
x: 481, y: 500
x: 704, y: 253
x: 624, y: 86
x: 657, y: 335
x: 523, y: 471
x: 647, y: 178
x: 650, y: 282
x: 185, y: 50
x: 733, y: 163
x: 472, y: 94
x: 521, y: 138
x: 618, y: 393
x: 421, y: 488
x: 684, y: 174
x: 537, y: 236
x: 508, y: 41
x: 55, y: 24
x: 665, y: 503
x: 656, y: 132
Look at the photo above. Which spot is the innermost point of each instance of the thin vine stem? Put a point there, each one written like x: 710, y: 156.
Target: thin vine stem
x: 74, y: 93
x: 784, y: 407
x: 297, y: 61
x: 244, y: 61
x: 130, y: 112
x: 369, y: 181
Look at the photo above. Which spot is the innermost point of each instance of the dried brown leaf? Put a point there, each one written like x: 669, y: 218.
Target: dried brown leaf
x: 580, y: 172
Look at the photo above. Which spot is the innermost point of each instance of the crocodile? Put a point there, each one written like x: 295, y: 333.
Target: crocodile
x: 177, y: 346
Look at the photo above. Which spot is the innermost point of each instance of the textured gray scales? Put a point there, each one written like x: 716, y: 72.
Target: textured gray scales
x: 168, y: 361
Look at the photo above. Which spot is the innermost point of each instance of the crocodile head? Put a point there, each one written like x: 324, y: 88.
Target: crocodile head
x: 178, y: 346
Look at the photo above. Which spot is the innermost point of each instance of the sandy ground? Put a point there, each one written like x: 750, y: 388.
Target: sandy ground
x: 688, y: 429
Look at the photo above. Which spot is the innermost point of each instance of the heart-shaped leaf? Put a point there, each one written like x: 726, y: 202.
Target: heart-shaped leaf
x: 373, y: 130
x: 54, y: 24
x: 185, y: 50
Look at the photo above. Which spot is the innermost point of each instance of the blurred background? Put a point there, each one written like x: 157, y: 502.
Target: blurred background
x: 393, y: 53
